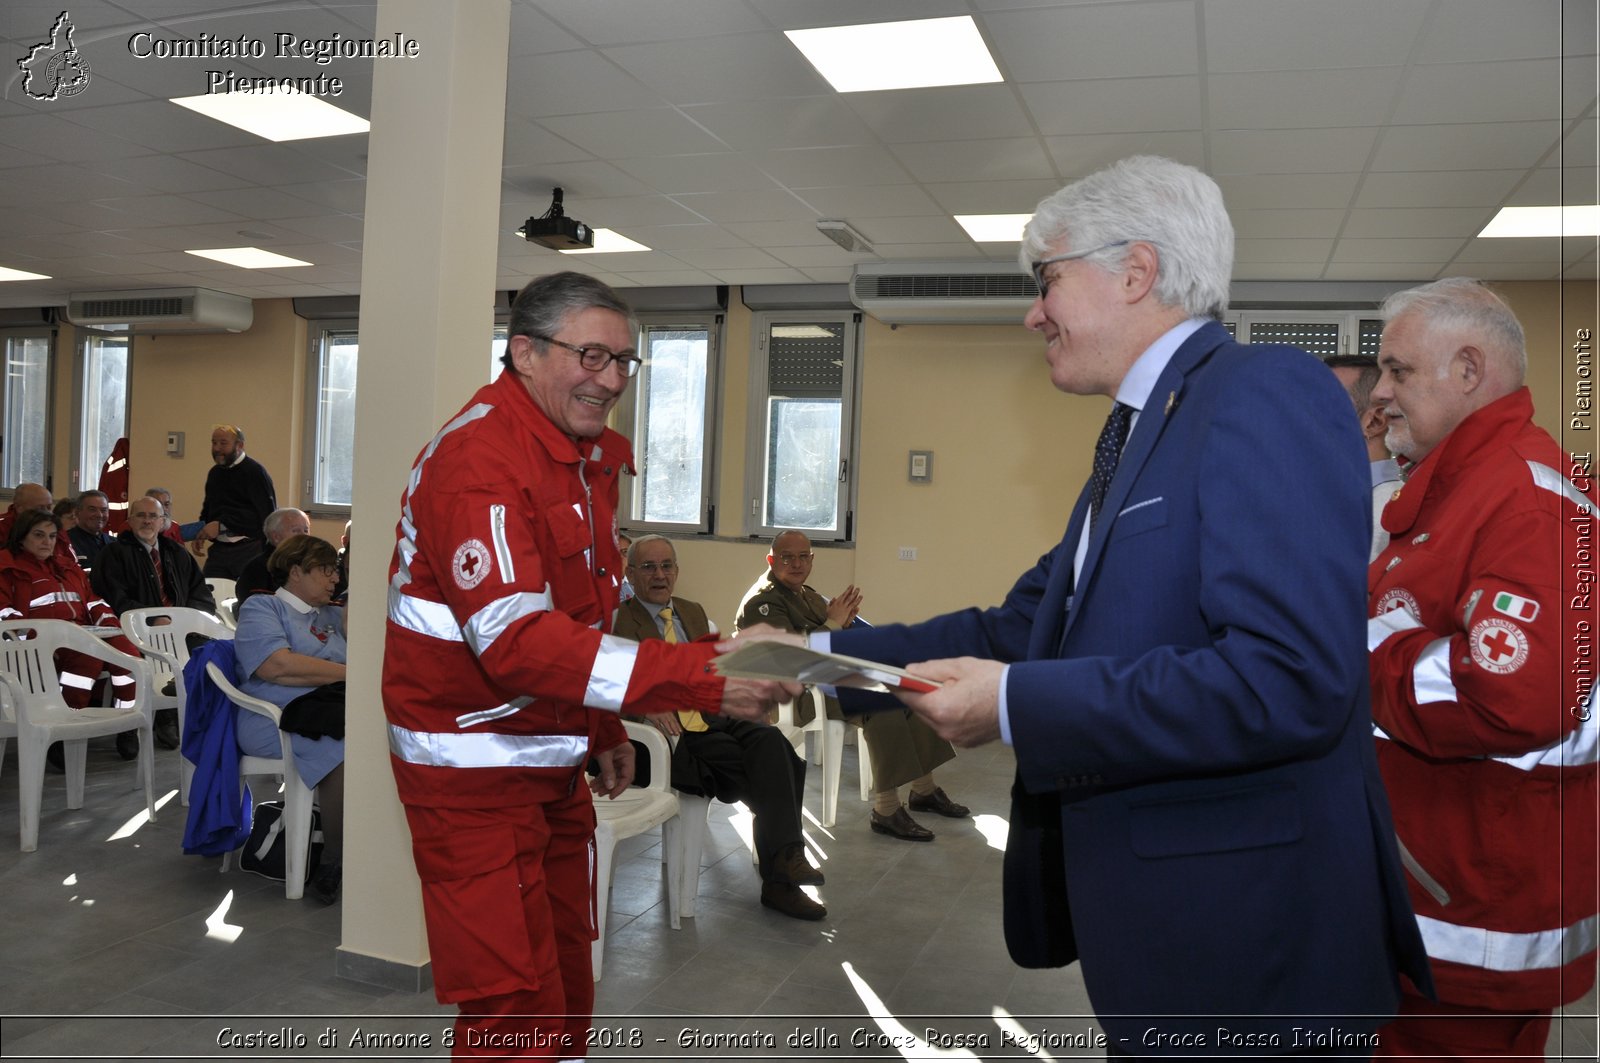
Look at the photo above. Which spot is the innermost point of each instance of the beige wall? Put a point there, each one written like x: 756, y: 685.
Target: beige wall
x: 1010, y: 452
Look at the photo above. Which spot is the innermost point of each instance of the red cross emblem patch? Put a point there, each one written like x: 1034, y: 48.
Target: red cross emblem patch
x: 1498, y: 646
x: 470, y: 566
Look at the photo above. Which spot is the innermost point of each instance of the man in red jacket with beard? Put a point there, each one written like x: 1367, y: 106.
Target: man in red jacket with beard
x: 500, y: 681
x: 1481, y: 642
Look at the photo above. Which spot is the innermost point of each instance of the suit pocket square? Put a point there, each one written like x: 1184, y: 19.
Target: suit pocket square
x: 1140, y: 517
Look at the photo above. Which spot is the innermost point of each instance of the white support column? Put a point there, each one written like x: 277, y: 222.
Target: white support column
x: 427, y: 297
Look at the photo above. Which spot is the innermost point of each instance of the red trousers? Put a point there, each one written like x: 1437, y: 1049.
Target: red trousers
x: 508, y: 896
x: 1424, y: 1028
x: 77, y: 673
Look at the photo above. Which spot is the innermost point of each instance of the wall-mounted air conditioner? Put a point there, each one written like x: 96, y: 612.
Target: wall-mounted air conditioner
x: 157, y: 310
x: 953, y: 293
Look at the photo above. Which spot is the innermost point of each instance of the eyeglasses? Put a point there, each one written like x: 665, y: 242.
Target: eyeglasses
x: 595, y: 358
x: 791, y: 560
x: 650, y: 568
x: 1039, y: 266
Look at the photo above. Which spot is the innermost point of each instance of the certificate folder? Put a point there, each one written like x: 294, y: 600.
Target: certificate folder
x: 779, y: 660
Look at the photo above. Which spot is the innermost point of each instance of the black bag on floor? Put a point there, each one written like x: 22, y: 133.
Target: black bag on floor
x: 265, y: 854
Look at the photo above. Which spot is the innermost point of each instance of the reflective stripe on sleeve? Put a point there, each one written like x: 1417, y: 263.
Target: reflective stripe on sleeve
x: 613, y: 667
x: 502, y: 550
x: 490, y: 622
x: 487, y: 750
x: 1575, y: 750
x: 423, y: 617
x: 54, y: 598
x: 1379, y: 628
x: 510, y: 708
x: 1430, y: 676
x: 1551, y: 480
x: 1499, y: 950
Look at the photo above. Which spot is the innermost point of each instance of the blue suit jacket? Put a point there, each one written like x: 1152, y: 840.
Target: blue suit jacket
x: 1197, y: 812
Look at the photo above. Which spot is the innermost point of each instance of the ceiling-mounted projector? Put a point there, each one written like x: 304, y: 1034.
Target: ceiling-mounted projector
x: 555, y: 230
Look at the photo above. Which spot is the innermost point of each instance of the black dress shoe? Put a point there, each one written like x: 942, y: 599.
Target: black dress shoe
x: 790, y: 900
x: 791, y: 866
x: 167, y: 729
x: 128, y: 744
x: 325, y: 883
x: 939, y: 802
x: 902, y: 826
x: 55, y: 759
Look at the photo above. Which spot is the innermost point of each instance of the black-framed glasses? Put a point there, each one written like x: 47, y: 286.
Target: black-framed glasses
x: 649, y: 568
x: 791, y: 560
x: 1039, y: 266
x: 595, y: 358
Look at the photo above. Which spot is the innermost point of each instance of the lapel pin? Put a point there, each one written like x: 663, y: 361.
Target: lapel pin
x: 1172, y: 404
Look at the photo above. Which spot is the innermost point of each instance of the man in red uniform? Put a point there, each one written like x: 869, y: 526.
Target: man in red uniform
x: 500, y: 681
x: 1481, y: 640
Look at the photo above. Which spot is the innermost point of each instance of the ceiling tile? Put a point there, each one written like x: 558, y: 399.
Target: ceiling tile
x: 1296, y: 250
x: 802, y: 122
x: 1481, y: 92
x: 1549, y: 186
x: 674, y: 238
x: 984, y: 160
x: 726, y: 258
x: 889, y: 201
x: 1525, y: 250
x: 1312, y: 151
x: 991, y: 197
x: 1418, y: 222
x: 724, y: 207
x: 711, y: 69
x: 579, y: 181
x: 1280, y: 224
x: 625, y: 134
x: 814, y: 167
x: 1408, y: 250
x: 785, y: 14
x: 714, y: 172
x: 1443, y: 188
x: 573, y: 83
x: 1308, y: 34
x: 1302, y: 99
x: 1465, y: 147
x: 535, y: 33
x: 1119, y: 105
x: 743, y: 275
x: 623, y: 21
x: 1407, y: 274
x: 1126, y: 40
x: 1276, y: 191
x: 1492, y: 29
x: 774, y: 234
x: 1077, y: 156
x: 948, y: 113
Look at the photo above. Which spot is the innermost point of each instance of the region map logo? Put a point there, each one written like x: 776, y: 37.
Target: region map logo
x: 54, y: 68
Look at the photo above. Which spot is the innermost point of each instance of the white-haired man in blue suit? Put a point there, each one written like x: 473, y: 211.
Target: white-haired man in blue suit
x: 1197, y: 815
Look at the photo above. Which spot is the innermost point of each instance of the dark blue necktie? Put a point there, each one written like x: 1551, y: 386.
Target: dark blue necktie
x: 1107, y: 451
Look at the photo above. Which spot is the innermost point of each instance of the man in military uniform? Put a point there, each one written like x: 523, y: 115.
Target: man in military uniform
x: 902, y: 748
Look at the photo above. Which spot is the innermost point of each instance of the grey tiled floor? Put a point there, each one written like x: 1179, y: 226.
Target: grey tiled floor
x: 122, y: 949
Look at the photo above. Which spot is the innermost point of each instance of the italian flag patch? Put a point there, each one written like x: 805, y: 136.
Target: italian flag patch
x: 1516, y: 607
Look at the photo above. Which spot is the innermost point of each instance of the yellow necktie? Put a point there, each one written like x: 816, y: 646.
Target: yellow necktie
x: 691, y: 720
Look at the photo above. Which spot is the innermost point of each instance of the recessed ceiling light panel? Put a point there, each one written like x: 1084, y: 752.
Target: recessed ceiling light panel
x: 277, y: 117
x: 1578, y: 220
x: 994, y: 228
x: 20, y: 275
x: 607, y: 242
x: 248, y: 257
x: 916, y: 54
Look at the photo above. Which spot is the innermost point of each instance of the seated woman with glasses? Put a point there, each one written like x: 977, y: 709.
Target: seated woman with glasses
x: 36, y: 584
x: 291, y: 651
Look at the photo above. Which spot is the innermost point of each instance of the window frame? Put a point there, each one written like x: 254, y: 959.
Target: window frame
x: 629, y: 412
x: 1349, y: 322
x: 46, y: 423
x: 317, y: 332
x: 85, y: 472
x: 755, y: 520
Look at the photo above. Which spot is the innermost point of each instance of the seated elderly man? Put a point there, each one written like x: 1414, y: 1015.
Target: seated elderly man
x: 731, y: 760
x: 902, y: 749
x: 144, y: 569
x: 88, y: 534
x: 279, y: 525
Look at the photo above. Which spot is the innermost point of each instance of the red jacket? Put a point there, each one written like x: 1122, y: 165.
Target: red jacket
x: 31, y: 589
x: 64, y: 552
x: 498, y: 676
x: 1483, y: 662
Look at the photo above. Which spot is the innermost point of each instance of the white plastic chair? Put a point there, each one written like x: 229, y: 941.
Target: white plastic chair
x: 828, y: 751
x: 166, y: 647
x: 635, y: 811
x: 33, y: 710
x: 225, y: 593
x: 297, y: 797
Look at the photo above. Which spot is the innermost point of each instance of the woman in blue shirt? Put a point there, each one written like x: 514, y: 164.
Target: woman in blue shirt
x: 289, y: 643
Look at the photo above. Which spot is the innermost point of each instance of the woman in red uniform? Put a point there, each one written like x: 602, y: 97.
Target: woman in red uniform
x: 36, y: 585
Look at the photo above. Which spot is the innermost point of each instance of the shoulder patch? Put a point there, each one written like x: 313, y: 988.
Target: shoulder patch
x: 1498, y: 646
x: 1398, y: 598
x: 764, y: 609
x: 1516, y: 607
x: 471, y: 564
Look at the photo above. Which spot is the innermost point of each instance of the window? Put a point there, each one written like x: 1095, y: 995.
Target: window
x: 1323, y: 333
x: 27, y: 408
x: 669, y: 413
x: 802, y: 424
x: 333, y: 419
x: 103, y: 415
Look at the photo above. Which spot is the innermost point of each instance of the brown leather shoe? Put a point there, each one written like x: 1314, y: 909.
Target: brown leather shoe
x: 791, y: 866
x: 939, y: 802
x: 792, y: 901
x: 902, y: 826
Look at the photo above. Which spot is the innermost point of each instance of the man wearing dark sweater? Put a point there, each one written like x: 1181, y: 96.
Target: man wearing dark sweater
x: 239, y: 496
